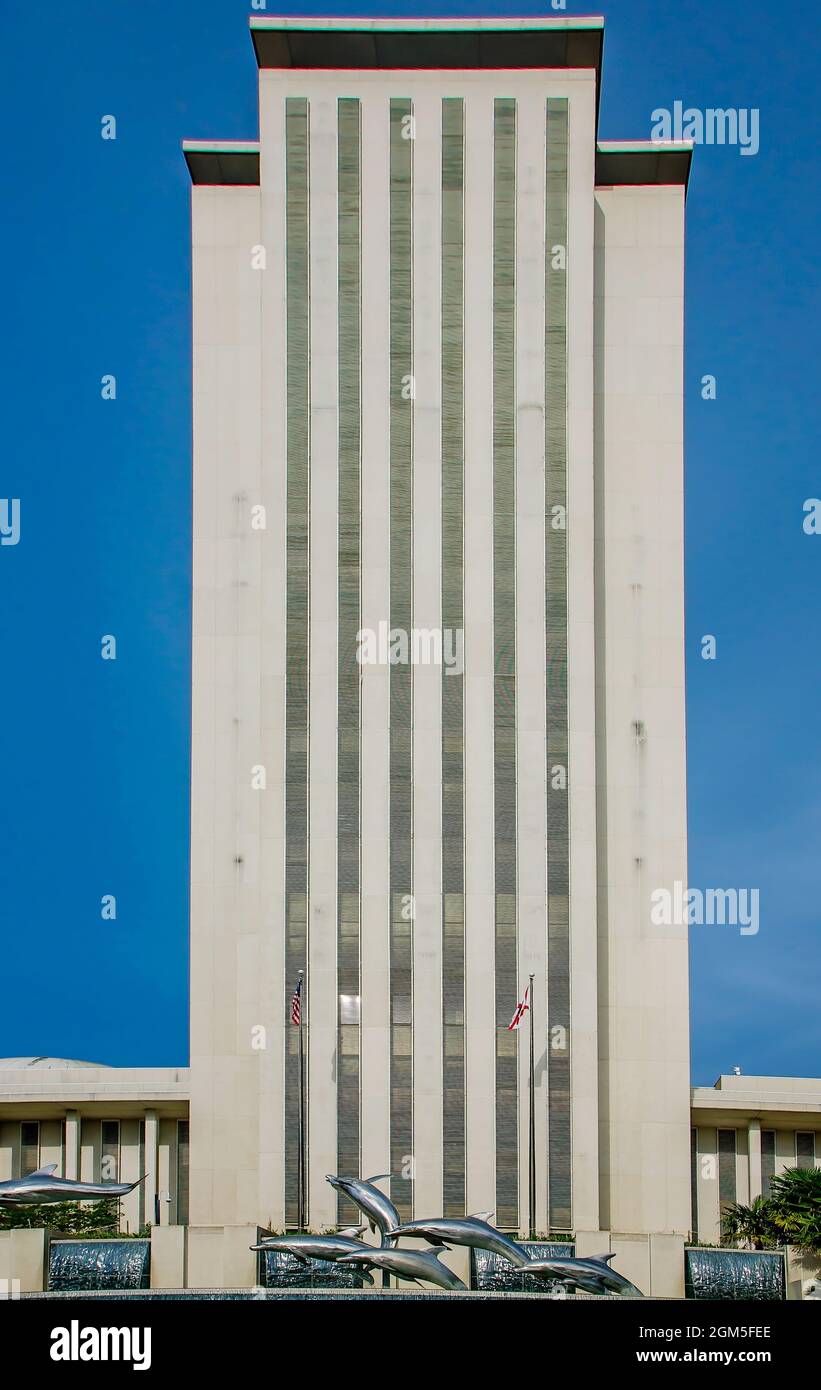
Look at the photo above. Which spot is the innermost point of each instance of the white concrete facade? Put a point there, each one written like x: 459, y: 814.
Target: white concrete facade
x: 642, y: 824
x: 624, y: 659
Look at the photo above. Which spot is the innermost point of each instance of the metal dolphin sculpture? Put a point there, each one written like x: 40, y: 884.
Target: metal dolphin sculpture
x: 407, y: 1264
x: 43, y: 1187
x: 590, y: 1274
x: 313, y: 1247
x: 379, y: 1209
x: 307, y: 1248
x: 474, y: 1231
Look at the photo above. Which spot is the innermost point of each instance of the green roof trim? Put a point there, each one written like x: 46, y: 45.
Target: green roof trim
x: 221, y: 146
x: 449, y: 24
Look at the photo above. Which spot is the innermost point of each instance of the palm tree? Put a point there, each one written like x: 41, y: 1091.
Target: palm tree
x: 753, y: 1224
x: 795, y: 1207
x: 791, y: 1215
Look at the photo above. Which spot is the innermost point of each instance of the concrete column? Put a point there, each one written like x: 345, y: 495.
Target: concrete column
x: 642, y: 805
x: 131, y: 1206
x: 168, y: 1257
x: 803, y: 1275
x: 9, y: 1141
x: 632, y: 1259
x: 71, y: 1159
x: 709, y: 1220
x: 754, y: 1152
x: 666, y: 1266
x: 150, y: 1185
x: 90, y: 1150
x: 23, y: 1256
x: 220, y: 1257
x: 226, y: 743
x: 165, y: 1143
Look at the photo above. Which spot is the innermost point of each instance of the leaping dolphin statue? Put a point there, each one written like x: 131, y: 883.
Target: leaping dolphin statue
x: 313, y: 1247
x: 42, y: 1187
x: 473, y: 1231
x: 307, y: 1248
x: 407, y: 1264
x: 379, y: 1209
x: 590, y: 1273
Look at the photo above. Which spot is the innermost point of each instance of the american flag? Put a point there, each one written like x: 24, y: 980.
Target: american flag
x: 296, y: 1004
x: 519, y: 1012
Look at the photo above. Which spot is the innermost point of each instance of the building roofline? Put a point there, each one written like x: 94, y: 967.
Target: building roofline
x: 51, y: 1091
x: 794, y: 1100
x: 319, y: 43
x: 405, y: 43
x: 42, y: 1062
x: 746, y: 1081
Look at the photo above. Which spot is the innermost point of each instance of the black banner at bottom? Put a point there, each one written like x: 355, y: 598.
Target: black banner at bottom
x: 70, y: 1335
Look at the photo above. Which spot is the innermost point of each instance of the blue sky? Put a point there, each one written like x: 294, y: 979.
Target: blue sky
x: 94, y: 755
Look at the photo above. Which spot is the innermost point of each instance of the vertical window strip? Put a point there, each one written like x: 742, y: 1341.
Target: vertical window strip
x: 504, y: 648
x: 182, y: 1213
x: 29, y: 1147
x: 401, y: 676
x: 297, y: 318
x: 183, y: 1169
x: 110, y: 1151
x: 726, y: 1168
x: 349, y: 562
x: 559, y: 1164
x: 453, y: 723
x: 804, y: 1150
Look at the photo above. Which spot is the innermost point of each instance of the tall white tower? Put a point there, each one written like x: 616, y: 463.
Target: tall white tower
x: 438, y: 662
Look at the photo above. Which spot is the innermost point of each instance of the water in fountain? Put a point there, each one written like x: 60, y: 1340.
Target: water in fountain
x: 731, y: 1274
x: 494, y: 1274
x: 279, y: 1270
x: 98, y: 1264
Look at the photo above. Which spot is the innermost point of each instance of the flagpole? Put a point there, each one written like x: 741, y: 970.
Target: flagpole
x: 301, y: 1127
x: 532, y: 1137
